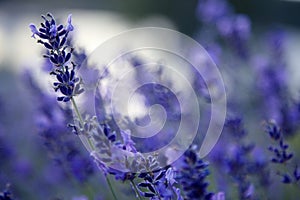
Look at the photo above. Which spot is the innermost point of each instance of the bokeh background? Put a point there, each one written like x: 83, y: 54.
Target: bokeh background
x: 25, y: 163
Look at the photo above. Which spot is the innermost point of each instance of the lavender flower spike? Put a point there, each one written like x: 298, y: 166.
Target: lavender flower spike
x: 281, y: 154
x: 54, y: 36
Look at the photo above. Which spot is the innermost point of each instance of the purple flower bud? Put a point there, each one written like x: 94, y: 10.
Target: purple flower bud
x: 69, y: 25
x: 33, y: 30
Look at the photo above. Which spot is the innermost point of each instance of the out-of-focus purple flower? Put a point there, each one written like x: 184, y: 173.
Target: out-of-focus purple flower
x: 276, y: 41
x: 218, y: 196
x: 237, y: 30
x: 209, y: 11
x: 272, y: 82
x: 235, y: 127
x: 234, y: 28
x: 240, y: 160
x: 52, y: 121
x: 238, y: 26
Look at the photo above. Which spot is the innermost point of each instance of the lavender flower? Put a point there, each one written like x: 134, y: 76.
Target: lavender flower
x: 192, y: 174
x: 68, y: 84
x: 54, y: 38
x: 159, y: 184
x: 281, y: 156
x: 118, y: 155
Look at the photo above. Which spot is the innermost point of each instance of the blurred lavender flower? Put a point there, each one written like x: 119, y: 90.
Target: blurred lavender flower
x: 240, y: 161
x: 234, y: 28
x: 210, y: 11
x: 243, y: 162
x: 51, y: 121
x: 272, y: 83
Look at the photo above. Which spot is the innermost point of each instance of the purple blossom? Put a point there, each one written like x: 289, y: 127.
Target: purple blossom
x: 54, y: 38
x: 192, y: 174
x: 209, y: 11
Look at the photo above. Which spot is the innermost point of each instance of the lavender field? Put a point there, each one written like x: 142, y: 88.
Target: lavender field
x: 143, y: 100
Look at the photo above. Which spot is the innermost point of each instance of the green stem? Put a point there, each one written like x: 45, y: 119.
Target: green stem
x: 136, y: 190
x: 77, y: 111
x: 90, y: 142
x: 88, y: 191
x: 157, y: 193
x: 111, y: 188
x: 81, y: 121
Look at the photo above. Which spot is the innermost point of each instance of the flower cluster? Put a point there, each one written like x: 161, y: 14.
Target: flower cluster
x: 120, y: 158
x: 159, y: 184
x: 116, y: 153
x: 54, y: 37
x: 232, y: 27
x: 51, y: 120
x: 281, y: 156
x: 192, y: 174
x: 242, y: 161
x: 272, y: 83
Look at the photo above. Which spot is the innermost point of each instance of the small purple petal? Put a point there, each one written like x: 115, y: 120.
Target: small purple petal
x: 53, y: 30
